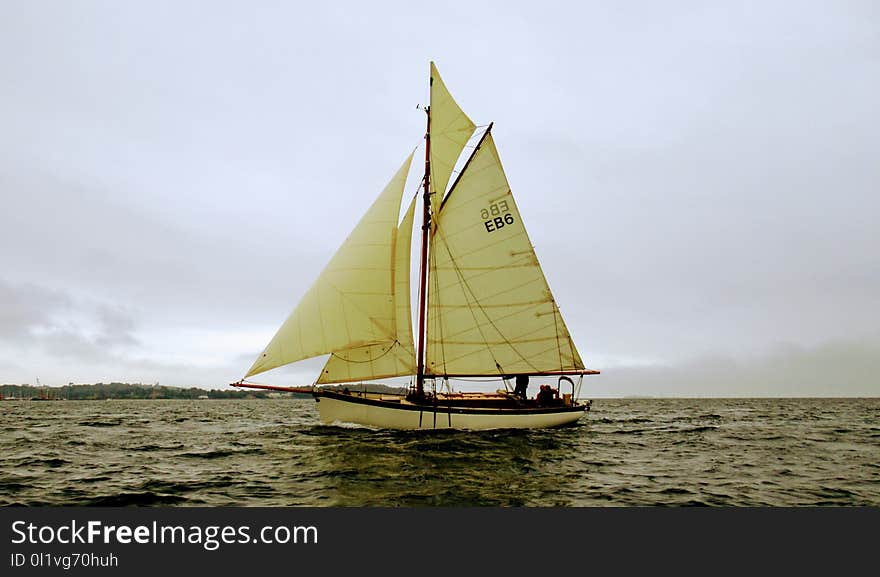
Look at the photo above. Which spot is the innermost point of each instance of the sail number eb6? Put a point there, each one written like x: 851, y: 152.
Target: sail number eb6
x: 496, y: 216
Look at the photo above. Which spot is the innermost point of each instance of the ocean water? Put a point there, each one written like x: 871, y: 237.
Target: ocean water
x: 624, y: 452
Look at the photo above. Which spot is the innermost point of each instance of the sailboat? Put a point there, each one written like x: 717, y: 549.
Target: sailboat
x: 484, y: 307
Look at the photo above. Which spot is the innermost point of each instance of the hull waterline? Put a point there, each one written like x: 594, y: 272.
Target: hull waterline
x: 396, y: 413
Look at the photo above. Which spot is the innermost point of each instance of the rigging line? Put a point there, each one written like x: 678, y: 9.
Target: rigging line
x: 575, y: 356
x: 439, y: 310
x: 510, y: 289
x: 466, y: 164
x: 557, y: 317
x: 368, y: 360
x: 491, y: 322
x: 476, y: 301
x: 415, y: 194
x: 468, y: 145
x: 556, y: 326
x: 345, y: 298
x: 436, y: 291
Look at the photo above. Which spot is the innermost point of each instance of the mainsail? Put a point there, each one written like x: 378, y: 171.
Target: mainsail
x: 352, y: 305
x: 450, y: 130
x: 490, y: 309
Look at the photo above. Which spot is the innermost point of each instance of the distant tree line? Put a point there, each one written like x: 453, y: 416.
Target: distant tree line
x: 99, y: 391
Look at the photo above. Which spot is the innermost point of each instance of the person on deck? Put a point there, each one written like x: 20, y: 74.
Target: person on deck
x: 522, y: 385
x: 545, y: 396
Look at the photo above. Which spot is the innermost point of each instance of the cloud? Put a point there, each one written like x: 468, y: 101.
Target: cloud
x: 63, y: 336
x: 60, y: 324
x: 844, y: 368
x: 27, y: 308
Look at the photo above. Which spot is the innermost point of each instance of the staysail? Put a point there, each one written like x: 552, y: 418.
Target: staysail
x: 352, y: 303
x: 450, y: 130
x: 490, y: 309
x: 390, y: 358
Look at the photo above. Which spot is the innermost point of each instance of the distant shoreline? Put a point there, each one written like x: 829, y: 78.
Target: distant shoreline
x: 126, y: 391
x: 140, y: 391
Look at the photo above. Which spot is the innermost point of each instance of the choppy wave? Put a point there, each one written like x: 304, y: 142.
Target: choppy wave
x: 676, y: 452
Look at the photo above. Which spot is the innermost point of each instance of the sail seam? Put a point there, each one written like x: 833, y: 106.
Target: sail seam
x: 371, y: 359
x: 508, y: 290
x: 505, y: 318
x: 500, y: 241
x: 465, y: 284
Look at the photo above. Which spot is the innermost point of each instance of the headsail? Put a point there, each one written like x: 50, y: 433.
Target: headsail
x: 390, y: 358
x: 490, y: 310
x: 450, y: 130
x: 352, y: 303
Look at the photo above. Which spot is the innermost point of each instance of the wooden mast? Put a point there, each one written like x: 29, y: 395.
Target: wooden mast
x: 423, y: 271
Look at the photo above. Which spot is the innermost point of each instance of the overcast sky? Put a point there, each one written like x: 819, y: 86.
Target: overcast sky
x: 700, y: 179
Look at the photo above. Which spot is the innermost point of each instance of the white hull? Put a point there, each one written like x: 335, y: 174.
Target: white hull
x: 402, y: 415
